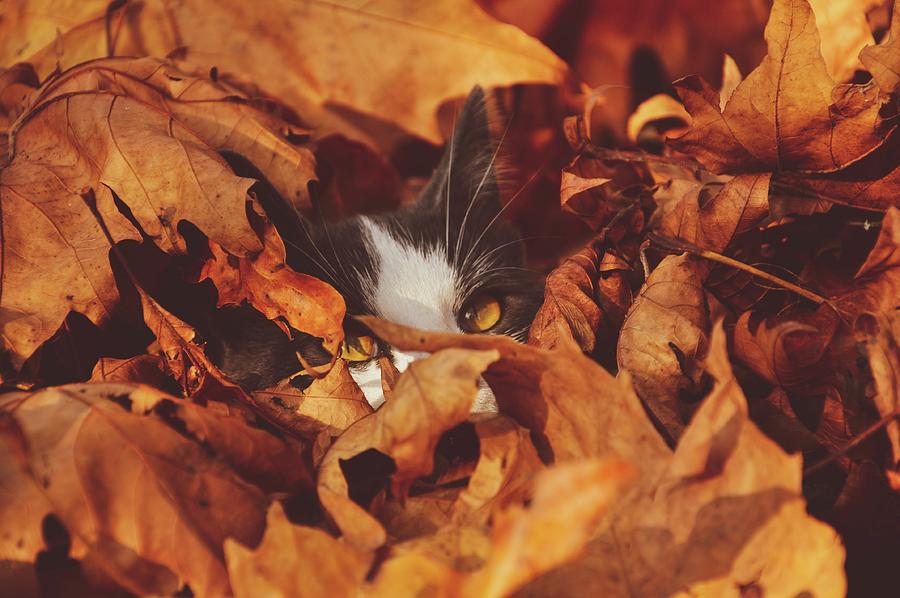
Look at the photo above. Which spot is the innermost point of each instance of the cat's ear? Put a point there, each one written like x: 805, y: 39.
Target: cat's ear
x: 466, y: 176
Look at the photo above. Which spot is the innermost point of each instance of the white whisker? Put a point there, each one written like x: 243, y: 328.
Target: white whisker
x: 503, y: 209
x: 462, y: 227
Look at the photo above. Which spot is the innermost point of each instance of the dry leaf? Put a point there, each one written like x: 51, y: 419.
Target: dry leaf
x: 783, y: 116
x: 726, y: 515
x: 884, y: 360
x: 295, y: 560
x: 520, y: 549
x: 882, y: 60
x: 268, y: 284
x: 586, y: 298
x: 564, y: 398
x: 329, y: 404
x: 111, y: 144
x: 664, y: 340
x: 311, y: 73
x: 223, y: 117
x: 659, y: 107
x: 844, y: 31
x: 710, y: 214
x: 507, y: 463
x: 432, y: 396
x: 151, y: 503
x: 572, y: 185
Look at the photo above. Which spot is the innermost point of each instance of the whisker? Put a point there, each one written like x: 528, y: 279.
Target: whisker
x: 462, y: 227
x: 486, y: 255
x: 326, y: 267
x: 503, y: 209
x: 449, y: 172
x: 347, y: 279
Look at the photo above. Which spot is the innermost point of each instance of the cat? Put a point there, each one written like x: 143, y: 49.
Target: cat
x: 448, y: 262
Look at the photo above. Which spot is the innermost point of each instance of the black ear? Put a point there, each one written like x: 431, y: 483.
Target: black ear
x: 466, y: 175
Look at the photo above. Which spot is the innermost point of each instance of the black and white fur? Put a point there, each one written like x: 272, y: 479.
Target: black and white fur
x: 417, y: 266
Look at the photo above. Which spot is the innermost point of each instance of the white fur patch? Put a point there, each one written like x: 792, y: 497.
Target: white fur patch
x: 415, y: 287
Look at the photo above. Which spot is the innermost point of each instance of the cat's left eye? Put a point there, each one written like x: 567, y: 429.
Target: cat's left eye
x: 481, y: 313
x: 358, y: 348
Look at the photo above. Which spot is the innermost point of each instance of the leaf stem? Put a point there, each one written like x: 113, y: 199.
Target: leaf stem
x: 857, y: 440
x: 677, y: 245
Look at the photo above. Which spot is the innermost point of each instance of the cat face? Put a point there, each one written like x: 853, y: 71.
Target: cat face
x: 448, y: 262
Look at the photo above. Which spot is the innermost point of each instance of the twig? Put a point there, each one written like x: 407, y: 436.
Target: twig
x: 857, y: 440
x: 676, y: 245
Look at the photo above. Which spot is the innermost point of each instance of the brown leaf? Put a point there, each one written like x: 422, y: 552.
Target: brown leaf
x: 664, y: 340
x: 845, y: 31
x: 784, y: 115
x: 152, y: 504
x: 218, y: 114
x: 788, y: 353
x: 876, y: 285
x: 448, y: 523
x: 573, y: 407
x: 143, y: 369
x: 525, y: 542
x: 884, y: 361
x: 709, y: 214
x: 16, y: 84
x: 661, y: 107
x: 295, y: 560
x: 268, y: 284
x: 109, y: 143
x: 330, y: 404
x: 572, y: 184
x: 432, y: 396
x: 586, y: 298
x: 590, y: 189
x: 568, y: 502
x: 507, y: 463
x: 727, y: 513
x: 882, y: 60
x: 309, y: 72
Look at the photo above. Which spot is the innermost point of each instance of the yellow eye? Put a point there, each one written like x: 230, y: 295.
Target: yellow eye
x: 358, y: 348
x: 481, y: 314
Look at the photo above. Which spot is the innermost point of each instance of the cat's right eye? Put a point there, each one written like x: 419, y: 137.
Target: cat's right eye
x: 358, y: 348
x: 481, y: 314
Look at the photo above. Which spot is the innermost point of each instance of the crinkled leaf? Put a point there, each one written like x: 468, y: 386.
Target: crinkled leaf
x: 665, y: 338
x: 154, y: 504
x: 432, y: 396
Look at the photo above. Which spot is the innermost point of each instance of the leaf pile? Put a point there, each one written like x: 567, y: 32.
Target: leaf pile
x: 707, y: 403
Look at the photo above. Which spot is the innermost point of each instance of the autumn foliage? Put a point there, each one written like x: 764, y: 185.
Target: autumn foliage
x: 708, y: 401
